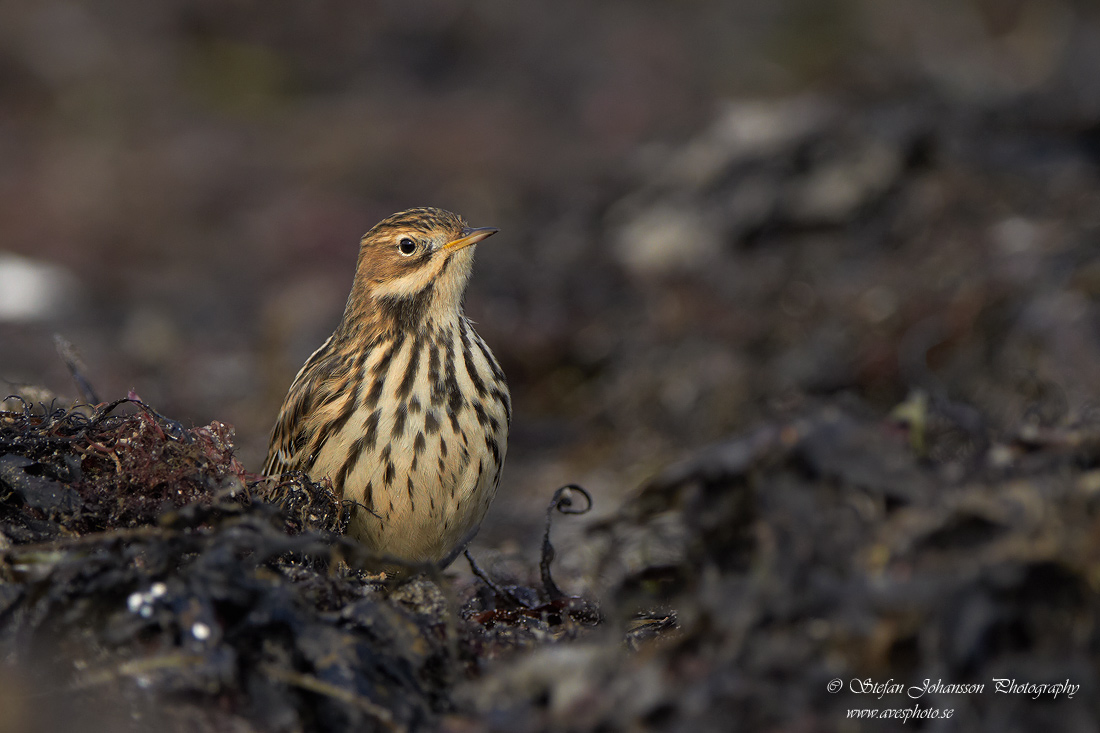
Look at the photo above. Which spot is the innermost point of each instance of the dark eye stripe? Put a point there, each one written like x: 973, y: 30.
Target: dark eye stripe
x: 415, y: 262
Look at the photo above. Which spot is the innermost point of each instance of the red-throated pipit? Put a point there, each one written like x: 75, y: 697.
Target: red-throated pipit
x: 404, y: 407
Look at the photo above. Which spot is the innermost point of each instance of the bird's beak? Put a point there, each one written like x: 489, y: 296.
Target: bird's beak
x: 470, y: 236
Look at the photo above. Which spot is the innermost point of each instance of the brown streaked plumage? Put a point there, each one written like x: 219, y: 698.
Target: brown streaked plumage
x: 403, y: 408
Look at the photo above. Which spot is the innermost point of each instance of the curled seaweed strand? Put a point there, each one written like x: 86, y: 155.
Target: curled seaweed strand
x: 561, y: 502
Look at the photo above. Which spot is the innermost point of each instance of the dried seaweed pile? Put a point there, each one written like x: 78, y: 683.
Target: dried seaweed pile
x: 138, y: 567
x: 83, y: 471
x: 734, y: 587
x: 826, y: 549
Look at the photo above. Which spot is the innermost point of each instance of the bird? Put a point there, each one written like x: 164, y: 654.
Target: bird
x: 404, y: 408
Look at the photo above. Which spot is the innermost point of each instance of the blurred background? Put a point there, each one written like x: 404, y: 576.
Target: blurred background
x: 712, y: 212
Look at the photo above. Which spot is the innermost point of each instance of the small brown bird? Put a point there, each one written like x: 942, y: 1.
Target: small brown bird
x: 403, y: 408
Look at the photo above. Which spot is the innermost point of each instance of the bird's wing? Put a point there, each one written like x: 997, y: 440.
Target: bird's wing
x: 289, y: 434
x: 281, y: 453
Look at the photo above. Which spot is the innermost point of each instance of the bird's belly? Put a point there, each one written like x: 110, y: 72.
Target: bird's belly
x: 424, y: 490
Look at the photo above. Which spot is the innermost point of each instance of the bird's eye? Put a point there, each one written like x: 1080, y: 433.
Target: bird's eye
x: 406, y: 246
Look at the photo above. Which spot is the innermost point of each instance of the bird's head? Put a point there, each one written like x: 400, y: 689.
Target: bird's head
x: 413, y: 268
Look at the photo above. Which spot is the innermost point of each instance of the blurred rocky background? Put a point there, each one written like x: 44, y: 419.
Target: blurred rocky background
x: 712, y: 212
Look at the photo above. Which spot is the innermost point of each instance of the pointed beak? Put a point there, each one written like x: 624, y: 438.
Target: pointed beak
x: 470, y: 236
